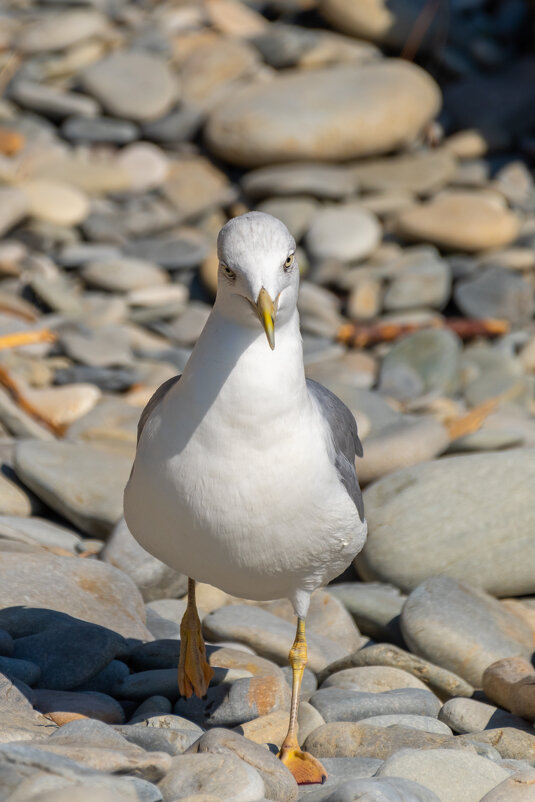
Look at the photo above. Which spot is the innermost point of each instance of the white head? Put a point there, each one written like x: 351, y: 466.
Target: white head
x: 258, y: 277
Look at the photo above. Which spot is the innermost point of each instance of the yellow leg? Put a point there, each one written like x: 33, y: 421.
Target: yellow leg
x: 194, y: 671
x: 305, y: 768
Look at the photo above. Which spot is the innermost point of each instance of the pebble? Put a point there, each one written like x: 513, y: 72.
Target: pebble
x: 55, y: 202
x: 107, y: 678
x: 347, y: 233
x: 427, y: 361
x: 379, y: 23
x: 51, y: 101
x: 105, y: 347
x: 444, y: 683
x: 374, y: 606
x: 99, y: 130
x: 24, y: 670
x: 71, y: 653
x: 231, y: 704
x: 182, y: 251
x: 194, y: 186
x: 62, y: 707
x: 382, y: 790
x: 134, y: 85
x: 518, y: 788
x: 479, y: 504
x: 13, y: 208
x: 278, y: 782
x: 461, y: 628
x: 296, y: 212
x: 164, y: 617
x: 154, y: 579
x: 61, y: 30
x: 511, y: 683
x: 470, y: 715
x: 324, y: 181
x: 90, y: 591
x: 344, y: 704
x: 509, y: 742
x: 223, y: 775
x: 373, y: 679
x: 422, y: 173
x: 83, y: 484
x: 6, y: 643
x: 451, y: 774
x: 358, y: 739
x: 405, y: 443
x: 496, y: 293
x: 269, y: 635
x: 158, y: 739
x: 123, y: 275
x: 422, y: 280
x: 459, y: 221
x: 37, y: 768
x: 417, y: 722
x: 344, y: 113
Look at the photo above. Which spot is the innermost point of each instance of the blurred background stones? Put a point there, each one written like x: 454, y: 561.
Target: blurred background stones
x: 396, y: 140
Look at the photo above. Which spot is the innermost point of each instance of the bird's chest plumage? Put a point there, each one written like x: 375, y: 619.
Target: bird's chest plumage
x: 234, y: 484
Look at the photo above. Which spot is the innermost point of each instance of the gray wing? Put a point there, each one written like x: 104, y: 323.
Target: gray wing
x: 153, y: 402
x: 345, y: 438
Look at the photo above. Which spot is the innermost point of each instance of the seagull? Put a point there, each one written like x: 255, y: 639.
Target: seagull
x: 244, y: 475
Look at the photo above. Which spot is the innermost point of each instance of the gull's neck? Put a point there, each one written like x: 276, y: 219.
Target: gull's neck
x: 234, y: 363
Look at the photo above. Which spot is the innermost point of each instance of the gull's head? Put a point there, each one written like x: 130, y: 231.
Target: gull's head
x: 258, y: 277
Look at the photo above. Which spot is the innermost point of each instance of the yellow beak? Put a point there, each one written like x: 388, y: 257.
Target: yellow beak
x: 267, y: 313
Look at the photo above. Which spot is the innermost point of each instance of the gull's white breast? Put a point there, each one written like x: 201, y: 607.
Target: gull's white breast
x: 257, y: 511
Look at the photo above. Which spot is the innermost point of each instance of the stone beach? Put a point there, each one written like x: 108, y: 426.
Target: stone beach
x: 401, y: 157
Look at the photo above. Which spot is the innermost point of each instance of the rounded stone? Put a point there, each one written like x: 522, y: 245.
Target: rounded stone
x: 496, y: 293
x: 388, y: 22
x: 342, y: 704
x: 329, y: 181
x: 60, y: 30
x: 469, y: 715
x: 373, y: 679
x: 451, y: 774
x: 423, y: 362
x: 462, y: 629
x: 460, y: 517
x: 417, y: 722
x: 224, y: 775
x: 401, y: 445
x: 344, y: 112
x: 123, y: 274
x: 83, y: 484
x: 461, y: 221
x: 518, y: 788
x: 55, y: 202
x: 347, y: 233
x: 132, y: 84
x: 423, y: 173
x: 90, y: 591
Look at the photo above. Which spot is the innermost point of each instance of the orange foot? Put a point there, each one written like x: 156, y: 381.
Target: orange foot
x: 305, y: 768
x: 194, y: 671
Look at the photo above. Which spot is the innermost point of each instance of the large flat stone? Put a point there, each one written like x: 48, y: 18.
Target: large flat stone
x: 460, y: 517
x: 84, y: 589
x: 81, y: 483
x: 343, y: 112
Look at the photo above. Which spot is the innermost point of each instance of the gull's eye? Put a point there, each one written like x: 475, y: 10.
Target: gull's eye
x: 228, y: 272
x: 289, y: 261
